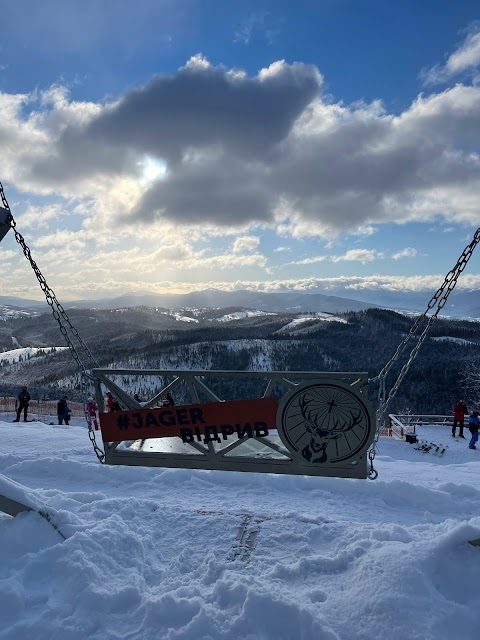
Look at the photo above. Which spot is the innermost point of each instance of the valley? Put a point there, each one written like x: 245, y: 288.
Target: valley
x: 237, y: 338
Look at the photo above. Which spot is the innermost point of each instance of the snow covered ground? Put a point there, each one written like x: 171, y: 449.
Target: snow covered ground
x: 197, y: 555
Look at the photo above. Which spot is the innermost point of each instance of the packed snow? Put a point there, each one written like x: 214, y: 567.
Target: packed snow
x: 207, y: 555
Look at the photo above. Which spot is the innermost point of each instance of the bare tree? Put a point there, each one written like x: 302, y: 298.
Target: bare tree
x: 470, y: 382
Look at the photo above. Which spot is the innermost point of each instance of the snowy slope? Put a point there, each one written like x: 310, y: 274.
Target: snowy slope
x: 240, y: 315
x: 15, y: 355
x: 154, y: 554
x: 295, y: 325
x: 460, y: 341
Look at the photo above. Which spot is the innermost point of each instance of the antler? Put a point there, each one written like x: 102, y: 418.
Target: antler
x: 304, y: 407
x: 347, y: 426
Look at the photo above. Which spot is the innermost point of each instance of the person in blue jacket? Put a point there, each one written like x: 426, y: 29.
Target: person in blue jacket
x: 473, y: 425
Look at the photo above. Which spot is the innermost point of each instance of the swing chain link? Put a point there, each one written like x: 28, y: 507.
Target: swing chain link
x: 61, y: 317
x: 372, y: 473
x: 85, y: 380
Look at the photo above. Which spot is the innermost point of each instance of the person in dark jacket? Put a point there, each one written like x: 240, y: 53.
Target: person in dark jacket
x: 63, y: 411
x: 459, y: 412
x: 473, y: 425
x: 169, y: 401
x: 23, y: 400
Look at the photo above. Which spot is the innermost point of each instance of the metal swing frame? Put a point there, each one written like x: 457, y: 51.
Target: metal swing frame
x: 255, y: 454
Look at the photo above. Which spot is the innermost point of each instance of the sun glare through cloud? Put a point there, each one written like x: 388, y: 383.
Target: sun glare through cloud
x: 152, y: 170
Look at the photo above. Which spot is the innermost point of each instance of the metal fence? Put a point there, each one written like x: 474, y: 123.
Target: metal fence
x: 39, y: 409
x: 399, y: 424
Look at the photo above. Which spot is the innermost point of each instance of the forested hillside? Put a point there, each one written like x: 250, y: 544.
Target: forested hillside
x: 192, y: 339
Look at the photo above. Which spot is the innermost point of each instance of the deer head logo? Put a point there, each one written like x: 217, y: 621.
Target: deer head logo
x: 322, y: 428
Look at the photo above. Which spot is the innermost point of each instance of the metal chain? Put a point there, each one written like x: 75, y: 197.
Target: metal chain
x: 85, y: 381
x: 61, y: 317
x: 439, y: 300
x: 450, y: 278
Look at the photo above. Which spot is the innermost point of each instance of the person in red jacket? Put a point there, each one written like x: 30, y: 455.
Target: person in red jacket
x: 110, y: 400
x: 459, y: 412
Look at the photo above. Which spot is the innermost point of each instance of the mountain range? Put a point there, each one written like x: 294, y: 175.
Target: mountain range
x: 236, y: 339
x: 461, y: 303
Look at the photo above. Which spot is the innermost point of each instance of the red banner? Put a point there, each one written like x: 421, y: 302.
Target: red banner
x: 193, y: 422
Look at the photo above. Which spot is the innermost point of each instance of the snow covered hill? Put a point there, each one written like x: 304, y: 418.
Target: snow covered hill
x: 194, y: 555
x: 459, y: 341
x: 296, y: 325
x: 239, y: 315
x: 25, y: 353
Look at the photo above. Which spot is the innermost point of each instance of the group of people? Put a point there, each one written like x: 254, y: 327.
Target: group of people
x: 64, y: 411
x: 23, y: 402
x: 459, y: 412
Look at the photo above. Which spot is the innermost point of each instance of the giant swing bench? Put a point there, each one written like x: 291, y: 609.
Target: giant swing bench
x: 304, y: 423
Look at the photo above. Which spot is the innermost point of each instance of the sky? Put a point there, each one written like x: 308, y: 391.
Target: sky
x: 183, y: 554
x: 178, y: 145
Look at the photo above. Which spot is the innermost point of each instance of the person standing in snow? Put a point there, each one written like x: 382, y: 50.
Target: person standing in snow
x: 115, y: 406
x: 110, y: 400
x: 23, y: 400
x: 63, y: 411
x: 473, y: 425
x: 92, y: 412
x: 459, y: 412
x: 169, y: 401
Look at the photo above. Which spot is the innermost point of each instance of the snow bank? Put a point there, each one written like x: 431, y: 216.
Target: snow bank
x: 196, y: 555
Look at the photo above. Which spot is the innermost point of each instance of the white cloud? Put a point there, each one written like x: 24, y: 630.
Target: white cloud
x: 281, y: 249
x: 358, y: 255
x: 312, y: 260
x: 106, y: 284
x: 39, y: 216
x: 466, y: 57
x: 408, y: 252
x: 261, y: 25
x: 7, y: 255
x: 245, y: 243
x: 62, y: 240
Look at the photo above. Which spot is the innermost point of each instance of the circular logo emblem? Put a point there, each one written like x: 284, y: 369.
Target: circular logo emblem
x: 325, y: 422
